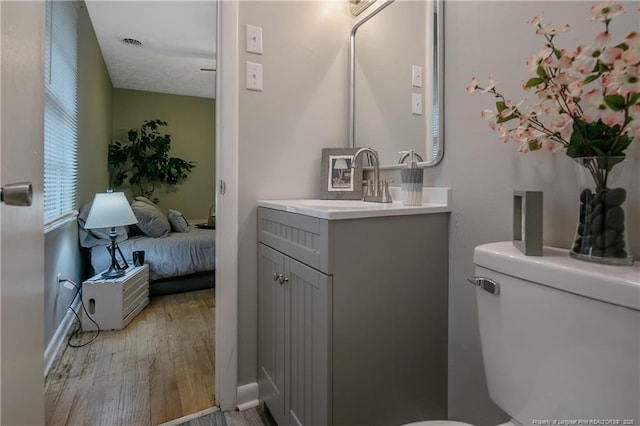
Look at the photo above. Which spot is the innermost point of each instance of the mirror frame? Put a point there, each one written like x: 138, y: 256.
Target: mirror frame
x: 439, y: 21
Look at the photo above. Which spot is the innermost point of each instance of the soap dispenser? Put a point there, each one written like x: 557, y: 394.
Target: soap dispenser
x: 411, y: 180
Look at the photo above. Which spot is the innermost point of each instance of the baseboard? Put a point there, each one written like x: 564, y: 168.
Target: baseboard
x: 59, y: 339
x: 247, y: 396
x: 190, y: 417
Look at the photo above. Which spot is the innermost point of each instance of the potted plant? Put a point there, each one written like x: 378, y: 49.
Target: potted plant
x: 143, y: 163
x: 587, y: 105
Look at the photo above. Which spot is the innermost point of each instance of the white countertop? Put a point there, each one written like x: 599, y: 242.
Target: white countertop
x: 435, y: 200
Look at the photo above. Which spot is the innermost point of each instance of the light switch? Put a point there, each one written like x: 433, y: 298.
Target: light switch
x: 416, y: 104
x: 416, y: 76
x: 254, y: 39
x: 254, y: 76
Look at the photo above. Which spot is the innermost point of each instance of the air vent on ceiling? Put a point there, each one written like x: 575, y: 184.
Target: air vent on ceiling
x: 132, y: 41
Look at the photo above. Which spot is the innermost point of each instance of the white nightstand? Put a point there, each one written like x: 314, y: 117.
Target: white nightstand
x: 113, y: 303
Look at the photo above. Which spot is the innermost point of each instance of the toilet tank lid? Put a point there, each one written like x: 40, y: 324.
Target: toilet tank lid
x: 619, y: 285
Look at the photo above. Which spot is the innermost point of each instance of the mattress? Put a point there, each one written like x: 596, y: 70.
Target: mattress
x: 180, y: 253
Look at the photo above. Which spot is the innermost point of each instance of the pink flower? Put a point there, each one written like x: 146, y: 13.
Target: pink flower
x: 611, y: 118
x: 492, y: 85
x: 545, y: 144
x: 606, y: 11
x: 549, y: 29
x: 487, y: 114
x: 536, y: 19
x: 629, y: 82
x: 633, y: 39
x: 524, y: 147
x: 560, y: 122
x: 603, y: 38
x: 571, y: 87
x: 611, y: 54
x: 473, y: 85
x: 575, y: 88
x: 594, y: 96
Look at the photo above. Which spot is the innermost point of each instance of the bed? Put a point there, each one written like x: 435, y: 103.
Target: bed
x: 181, y: 256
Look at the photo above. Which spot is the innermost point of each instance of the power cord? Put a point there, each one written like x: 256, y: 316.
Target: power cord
x: 79, y: 327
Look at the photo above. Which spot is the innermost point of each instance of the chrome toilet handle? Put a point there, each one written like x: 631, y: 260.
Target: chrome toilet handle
x: 487, y: 284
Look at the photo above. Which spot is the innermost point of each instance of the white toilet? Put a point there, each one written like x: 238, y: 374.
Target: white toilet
x: 560, y: 338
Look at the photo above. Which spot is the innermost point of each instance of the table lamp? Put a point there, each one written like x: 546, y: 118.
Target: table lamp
x: 109, y: 210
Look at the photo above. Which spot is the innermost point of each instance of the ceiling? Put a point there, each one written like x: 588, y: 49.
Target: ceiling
x: 178, y: 40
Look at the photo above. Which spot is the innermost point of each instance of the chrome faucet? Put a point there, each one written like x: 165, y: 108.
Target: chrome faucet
x: 377, y: 191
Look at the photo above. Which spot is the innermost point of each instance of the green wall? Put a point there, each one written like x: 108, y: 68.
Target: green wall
x: 62, y: 251
x: 191, y: 126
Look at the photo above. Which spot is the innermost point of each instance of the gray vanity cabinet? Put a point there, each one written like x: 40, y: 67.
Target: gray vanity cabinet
x: 293, y: 341
x: 355, y: 332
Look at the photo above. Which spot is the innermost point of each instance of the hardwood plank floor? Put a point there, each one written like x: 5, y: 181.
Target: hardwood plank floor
x: 159, y: 368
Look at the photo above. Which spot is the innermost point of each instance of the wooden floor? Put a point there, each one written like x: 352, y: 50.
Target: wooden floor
x: 159, y: 368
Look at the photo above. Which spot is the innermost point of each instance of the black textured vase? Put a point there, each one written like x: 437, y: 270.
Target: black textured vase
x: 601, y: 230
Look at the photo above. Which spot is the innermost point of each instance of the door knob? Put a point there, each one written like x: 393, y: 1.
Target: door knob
x: 17, y: 194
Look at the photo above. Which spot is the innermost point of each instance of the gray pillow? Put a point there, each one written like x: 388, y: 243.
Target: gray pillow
x: 151, y: 221
x: 178, y: 222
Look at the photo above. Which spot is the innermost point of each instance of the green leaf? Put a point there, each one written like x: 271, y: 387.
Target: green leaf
x: 143, y: 164
x: 615, y: 102
x: 541, y: 71
x: 589, y: 79
x: 634, y: 99
x: 534, y: 81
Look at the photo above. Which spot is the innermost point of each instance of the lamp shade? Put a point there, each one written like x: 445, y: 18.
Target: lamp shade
x: 340, y: 164
x: 108, y: 210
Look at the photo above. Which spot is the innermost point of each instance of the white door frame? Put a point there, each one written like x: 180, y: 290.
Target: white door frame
x: 226, y: 353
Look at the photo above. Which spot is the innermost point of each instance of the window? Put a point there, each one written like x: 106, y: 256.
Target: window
x: 60, y: 113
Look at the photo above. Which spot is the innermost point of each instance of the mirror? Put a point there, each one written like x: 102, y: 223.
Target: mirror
x: 392, y: 48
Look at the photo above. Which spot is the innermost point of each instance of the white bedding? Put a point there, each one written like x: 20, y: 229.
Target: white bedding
x: 180, y: 253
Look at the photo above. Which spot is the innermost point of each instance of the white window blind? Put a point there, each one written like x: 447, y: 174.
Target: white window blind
x: 60, y: 112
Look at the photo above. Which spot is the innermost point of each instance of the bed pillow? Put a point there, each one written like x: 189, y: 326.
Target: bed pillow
x: 151, y: 221
x: 178, y: 222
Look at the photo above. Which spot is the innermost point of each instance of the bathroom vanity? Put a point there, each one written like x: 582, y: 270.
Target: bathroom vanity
x: 353, y: 311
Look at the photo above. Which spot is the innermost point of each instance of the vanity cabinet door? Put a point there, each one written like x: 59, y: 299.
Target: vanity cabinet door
x: 294, y: 339
x: 271, y: 341
x: 309, y: 313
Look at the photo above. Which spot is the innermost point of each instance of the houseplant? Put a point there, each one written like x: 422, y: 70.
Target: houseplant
x: 143, y: 163
x: 587, y: 105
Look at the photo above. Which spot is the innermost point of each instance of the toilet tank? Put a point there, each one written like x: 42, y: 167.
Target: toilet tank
x: 561, y: 339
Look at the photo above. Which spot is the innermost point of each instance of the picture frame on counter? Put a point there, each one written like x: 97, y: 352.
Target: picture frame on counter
x: 339, y: 181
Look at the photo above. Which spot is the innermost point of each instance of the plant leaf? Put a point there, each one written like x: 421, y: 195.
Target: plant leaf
x: 534, y: 81
x: 615, y: 102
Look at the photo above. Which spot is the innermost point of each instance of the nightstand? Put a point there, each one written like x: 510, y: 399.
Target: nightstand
x: 113, y: 303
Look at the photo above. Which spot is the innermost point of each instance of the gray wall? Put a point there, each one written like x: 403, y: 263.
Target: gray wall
x: 94, y: 133
x: 485, y: 38
x: 303, y: 108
